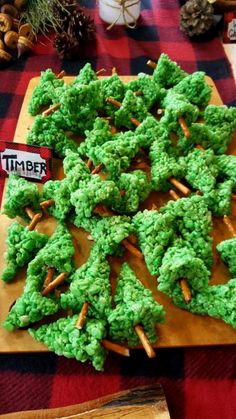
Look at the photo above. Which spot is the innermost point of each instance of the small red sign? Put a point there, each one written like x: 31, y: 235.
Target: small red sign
x: 28, y: 161
x: 229, y: 27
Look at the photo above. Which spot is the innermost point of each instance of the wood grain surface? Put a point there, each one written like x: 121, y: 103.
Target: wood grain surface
x: 147, y: 402
x: 181, y: 328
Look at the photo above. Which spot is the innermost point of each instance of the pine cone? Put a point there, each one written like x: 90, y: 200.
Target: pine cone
x: 196, y: 17
x: 75, y: 28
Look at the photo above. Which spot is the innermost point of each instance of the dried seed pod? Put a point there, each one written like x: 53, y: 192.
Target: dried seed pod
x: 9, y: 9
x: 4, y: 56
x: 5, y: 22
x: 24, y: 46
x: 11, y: 39
x: 2, y: 46
x: 26, y: 31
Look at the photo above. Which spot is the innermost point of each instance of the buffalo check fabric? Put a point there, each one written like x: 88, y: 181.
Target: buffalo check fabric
x: 198, y: 382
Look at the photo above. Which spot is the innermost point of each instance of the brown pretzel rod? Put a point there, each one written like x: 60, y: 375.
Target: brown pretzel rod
x: 57, y: 281
x: 89, y: 164
x: 103, y: 210
x: 115, y: 347
x: 82, y: 316
x: 47, y: 203
x: 101, y: 71
x: 185, y: 290
x: 29, y: 212
x: 34, y: 221
x: 132, y: 249
x: 61, y: 74
x: 174, y: 195
x: 145, y: 342
x: 229, y: 225
x: 138, y: 93
x: 141, y: 165
x: 97, y: 169
x: 233, y: 195
x: 51, y: 110
x: 182, y: 188
x: 151, y: 64
x: 49, y: 277
x: 113, y: 71
x: 184, y: 127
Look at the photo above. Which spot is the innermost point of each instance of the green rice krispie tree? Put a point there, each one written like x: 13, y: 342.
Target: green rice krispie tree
x: 155, y: 232
x: 148, y: 131
x: 20, y: 194
x: 48, y: 90
x: 22, y: 246
x: 226, y: 164
x: 202, y: 170
x: 85, y: 76
x: 167, y: 72
x: 100, y: 134
x: 112, y: 87
x: 63, y: 338
x: 136, y: 187
x: 148, y: 89
x: 59, y: 192
x: 219, y: 199
x: 135, y: 306
x: 131, y: 107
x: 45, y: 132
x: 227, y: 248
x: 195, y: 88
x: 90, y: 284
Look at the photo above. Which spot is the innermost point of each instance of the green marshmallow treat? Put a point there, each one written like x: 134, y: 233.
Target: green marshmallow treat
x: 100, y: 134
x: 91, y: 284
x: 195, y: 89
x: 154, y: 232
x: 227, y: 250
x: 150, y: 91
x: 63, y: 338
x: 58, y: 190
x: 219, y: 200
x: 167, y: 73
x: 112, y: 87
x: 45, y: 132
x: 202, y: 170
x: 22, y: 246
x: 85, y: 76
x: 135, y: 305
x: 136, y: 187
x: 132, y: 107
x: 226, y: 164
x: 20, y: 193
x: 148, y: 131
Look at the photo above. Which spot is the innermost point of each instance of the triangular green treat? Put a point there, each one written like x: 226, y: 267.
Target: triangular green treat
x: 57, y: 253
x: 45, y: 132
x: 150, y: 91
x: 63, y: 338
x: 195, y: 88
x: 202, y: 170
x: 116, y: 155
x: 91, y: 284
x: 154, y: 232
x: 93, y: 192
x: 135, y: 305
x: 132, y: 107
x: 180, y: 262
x: 217, y: 139
x: 22, y: 246
x: 100, y: 134
x: 219, y: 200
x: 168, y: 73
x: 217, y: 301
x: 216, y: 116
x: 59, y: 191
x: 109, y: 232
x: 46, y: 92
x: 85, y: 76
x: 20, y: 193
x: 226, y: 164
x: 136, y: 187
x: 75, y: 170
x: 164, y: 166
x: 193, y: 222
x: 112, y: 87
x: 176, y: 106
x: 148, y: 131
x: 227, y: 250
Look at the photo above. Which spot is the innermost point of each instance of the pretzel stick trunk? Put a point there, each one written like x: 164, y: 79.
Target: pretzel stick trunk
x: 184, y: 127
x: 89, y: 164
x: 29, y: 212
x: 82, y: 316
x: 115, y: 347
x: 97, y: 169
x: 37, y: 217
x: 132, y: 249
x: 182, y: 188
x: 229, y: 225
x: 101, y: 71
x: 174, y: 195
x: 57, y: 281
x: 51, y: 110
x: 47, y: 203
x: 118, y: 105
x: 61, y: 74
x: 49, y: 277
x: 145, y: 342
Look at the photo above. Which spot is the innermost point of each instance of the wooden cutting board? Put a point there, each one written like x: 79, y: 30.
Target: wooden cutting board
x: 181, y: 328
x: 147, y: 402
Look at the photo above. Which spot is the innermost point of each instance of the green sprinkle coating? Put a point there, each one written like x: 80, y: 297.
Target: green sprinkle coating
x: 22, y: 246
x: 19, y: 194
x: 63, y: 338
x: 135, y: 305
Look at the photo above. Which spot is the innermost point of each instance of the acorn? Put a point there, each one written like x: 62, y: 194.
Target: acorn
x: 24, y: 46
x: 4, y: 56
x: 9, y: 9
x: 26, y: 31
x: 5, y: 22
x: 11, y: 39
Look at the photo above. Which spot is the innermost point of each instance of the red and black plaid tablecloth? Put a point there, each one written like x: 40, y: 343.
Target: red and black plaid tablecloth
x: 198, y: 383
